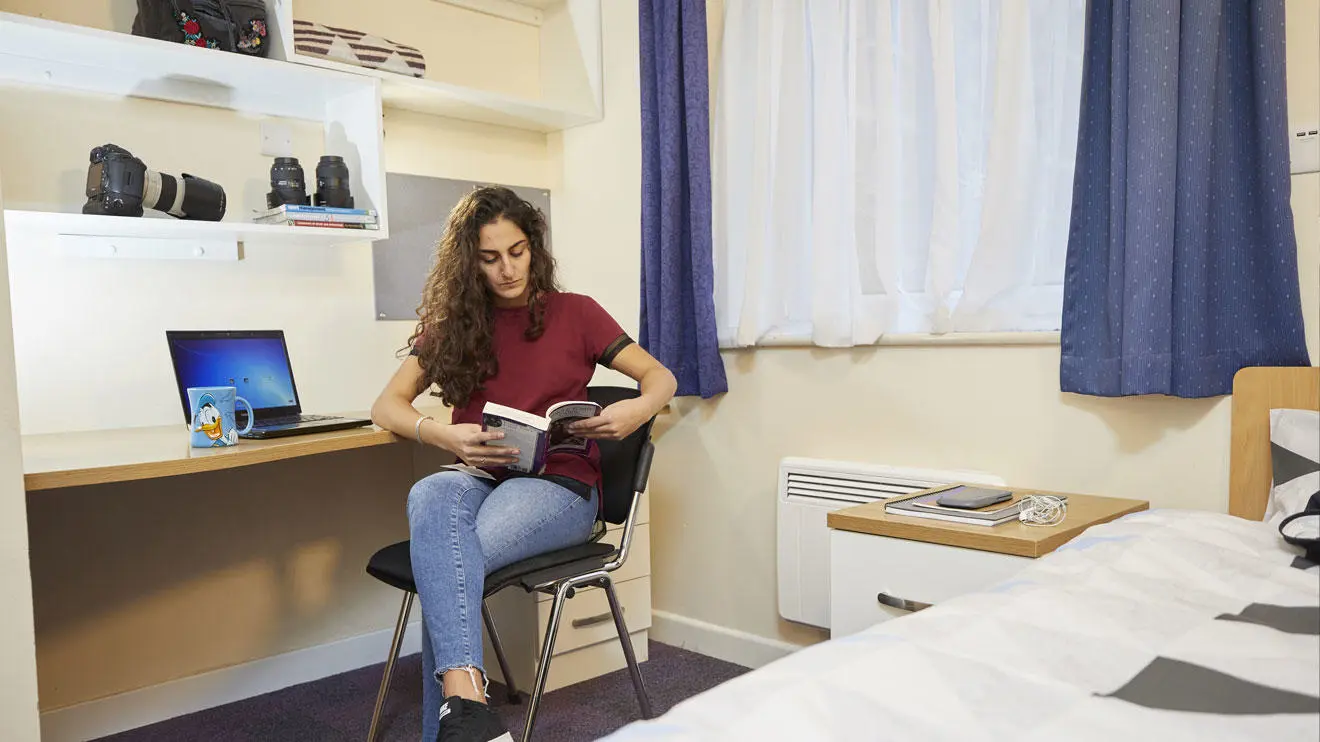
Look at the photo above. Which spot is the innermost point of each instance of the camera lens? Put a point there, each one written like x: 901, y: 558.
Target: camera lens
x: 287, y: 184
x: 332, y: 183
x: 202, y: 199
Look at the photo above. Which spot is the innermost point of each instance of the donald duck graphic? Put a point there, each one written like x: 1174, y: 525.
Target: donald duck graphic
x: 208, y: 420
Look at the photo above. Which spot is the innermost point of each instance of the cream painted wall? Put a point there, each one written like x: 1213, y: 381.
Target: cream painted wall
x: 18, y: 665
x: 140, y: 583
x: 116, y: 15
x: 597, y: 199
x: 995, y: 408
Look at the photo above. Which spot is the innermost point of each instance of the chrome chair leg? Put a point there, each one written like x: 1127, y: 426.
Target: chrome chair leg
x: 547, y: 651
x: 628, y: 653
x: 399, y: 628
x: 499, y: 653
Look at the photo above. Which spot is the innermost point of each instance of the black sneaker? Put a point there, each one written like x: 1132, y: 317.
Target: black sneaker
x: 462, y: 720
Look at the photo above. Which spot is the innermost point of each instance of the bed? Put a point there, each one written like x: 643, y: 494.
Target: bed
x: 1167, y: 625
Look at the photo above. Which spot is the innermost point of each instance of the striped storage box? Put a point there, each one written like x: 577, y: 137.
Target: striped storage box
x: 356, y: 48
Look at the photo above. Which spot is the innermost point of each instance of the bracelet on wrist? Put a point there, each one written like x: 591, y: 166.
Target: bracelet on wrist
x: 417, y: 429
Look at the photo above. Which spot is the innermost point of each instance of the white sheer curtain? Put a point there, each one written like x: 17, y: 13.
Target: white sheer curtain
x: 893, y: 166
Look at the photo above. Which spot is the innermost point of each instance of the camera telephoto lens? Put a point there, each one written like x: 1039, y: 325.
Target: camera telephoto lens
x: 186, y: 197
x: 287, y: 184
x: 119, y: 184
x: 332, y: 183
x: 201, y: 200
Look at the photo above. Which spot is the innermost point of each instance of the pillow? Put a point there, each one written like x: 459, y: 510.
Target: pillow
x: 1295, y: 454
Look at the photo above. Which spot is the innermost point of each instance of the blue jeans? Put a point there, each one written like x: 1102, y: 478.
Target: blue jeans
x: 462, y: 529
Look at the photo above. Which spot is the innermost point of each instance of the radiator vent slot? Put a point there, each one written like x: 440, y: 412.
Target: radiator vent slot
x: 851, y: 488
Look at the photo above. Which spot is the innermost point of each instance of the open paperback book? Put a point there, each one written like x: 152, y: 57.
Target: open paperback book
x: 535, y: 436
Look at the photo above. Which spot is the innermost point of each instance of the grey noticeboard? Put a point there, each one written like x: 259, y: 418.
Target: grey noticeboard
x: 419, y: 206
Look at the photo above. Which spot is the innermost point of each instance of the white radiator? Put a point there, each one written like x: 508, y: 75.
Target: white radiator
x: 808, y: 490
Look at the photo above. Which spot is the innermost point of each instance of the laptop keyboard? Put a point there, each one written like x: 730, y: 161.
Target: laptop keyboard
x: 271, y: 422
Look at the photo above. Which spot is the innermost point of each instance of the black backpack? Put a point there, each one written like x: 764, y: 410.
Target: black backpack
x: 232, y: 25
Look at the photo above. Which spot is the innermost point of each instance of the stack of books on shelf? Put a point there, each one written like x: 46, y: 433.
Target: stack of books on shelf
x: 924, y: 505
x: 302, y: 215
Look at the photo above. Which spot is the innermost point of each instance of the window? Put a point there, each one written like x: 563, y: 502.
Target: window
x: 893, y: 166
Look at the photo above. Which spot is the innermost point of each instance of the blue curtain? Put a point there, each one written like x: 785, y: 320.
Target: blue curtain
x: 1182, y: 259
x: 678, y: 300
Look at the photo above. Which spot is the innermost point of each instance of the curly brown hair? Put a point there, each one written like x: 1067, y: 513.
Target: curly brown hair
x: 454, y: 331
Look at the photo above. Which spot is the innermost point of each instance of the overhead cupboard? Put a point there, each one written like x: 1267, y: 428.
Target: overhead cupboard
x: 345, y: 101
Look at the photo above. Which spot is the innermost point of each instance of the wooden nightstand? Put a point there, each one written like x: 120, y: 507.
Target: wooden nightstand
x: 883, y: 566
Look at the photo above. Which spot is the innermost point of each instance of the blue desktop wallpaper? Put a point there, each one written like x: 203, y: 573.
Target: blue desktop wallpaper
x: 256, y: 366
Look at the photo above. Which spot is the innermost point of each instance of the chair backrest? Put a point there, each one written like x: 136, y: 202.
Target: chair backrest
x: 625, y: 464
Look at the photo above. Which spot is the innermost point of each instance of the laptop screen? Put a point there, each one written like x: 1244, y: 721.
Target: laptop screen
x: 254, y: 362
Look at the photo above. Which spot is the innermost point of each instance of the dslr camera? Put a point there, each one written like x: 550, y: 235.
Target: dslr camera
x: 119, y: 184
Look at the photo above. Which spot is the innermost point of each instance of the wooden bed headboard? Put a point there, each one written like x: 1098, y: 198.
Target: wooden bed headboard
x: 1256, y: 391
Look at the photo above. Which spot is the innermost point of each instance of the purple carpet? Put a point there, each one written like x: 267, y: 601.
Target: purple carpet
x: 339, y: 707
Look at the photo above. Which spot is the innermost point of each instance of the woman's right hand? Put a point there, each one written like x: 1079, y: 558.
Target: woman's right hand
x: 468, y: 442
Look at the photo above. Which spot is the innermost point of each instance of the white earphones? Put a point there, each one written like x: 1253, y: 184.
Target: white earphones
x: 1042, y: 510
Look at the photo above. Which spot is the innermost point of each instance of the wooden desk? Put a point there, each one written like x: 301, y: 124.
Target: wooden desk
x: 1013, y: 538
x: 73, y: 459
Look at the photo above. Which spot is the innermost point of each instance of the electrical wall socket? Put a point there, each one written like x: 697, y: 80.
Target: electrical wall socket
x: 1304, y: 150
x: 276, y: 139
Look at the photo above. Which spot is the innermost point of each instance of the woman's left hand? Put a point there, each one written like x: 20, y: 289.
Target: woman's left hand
x: 615, y: 422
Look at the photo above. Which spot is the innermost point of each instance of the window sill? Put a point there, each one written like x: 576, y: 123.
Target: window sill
x: 920, y: 339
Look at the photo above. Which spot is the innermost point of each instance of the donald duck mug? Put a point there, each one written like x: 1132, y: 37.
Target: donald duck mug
x: 213, y: 416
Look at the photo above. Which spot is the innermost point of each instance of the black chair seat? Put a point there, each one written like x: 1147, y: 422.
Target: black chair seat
x: 502, y: 578
x: 392, y: 565
x: 596, y: 562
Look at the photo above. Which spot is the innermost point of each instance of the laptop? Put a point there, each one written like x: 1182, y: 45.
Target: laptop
x: 256, y: 362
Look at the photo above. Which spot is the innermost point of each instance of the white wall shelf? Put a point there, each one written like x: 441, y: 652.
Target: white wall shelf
x: 454, y: 101
x: 346, y: 99
x: 183, y: 235
x: 50, y: 54
x: 570, y: 70
x: 45, y: 54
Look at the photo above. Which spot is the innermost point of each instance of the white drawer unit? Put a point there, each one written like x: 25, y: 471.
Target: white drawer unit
x: 594, y: 660
x: 883, y: 566
x: 865, y: 567
x: 586, y: 619
x: 587, y: 644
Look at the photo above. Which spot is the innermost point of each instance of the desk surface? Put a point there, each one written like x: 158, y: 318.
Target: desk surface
x: 73, y: 459
x: 1014, y: 538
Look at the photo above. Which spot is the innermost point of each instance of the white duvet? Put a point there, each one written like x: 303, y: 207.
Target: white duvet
x: 1201, y: 624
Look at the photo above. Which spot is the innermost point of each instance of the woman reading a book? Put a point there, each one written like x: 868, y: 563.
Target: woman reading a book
x: 494, y: 327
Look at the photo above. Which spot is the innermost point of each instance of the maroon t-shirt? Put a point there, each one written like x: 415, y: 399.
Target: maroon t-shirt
x: 556, y: 367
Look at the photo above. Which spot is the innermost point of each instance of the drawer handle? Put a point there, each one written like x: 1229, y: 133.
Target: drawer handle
x: 582, y: 623
x: 903, y: 604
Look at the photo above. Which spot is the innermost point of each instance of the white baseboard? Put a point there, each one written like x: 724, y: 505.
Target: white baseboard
x: 730, y: 645
x: 134, y: 709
